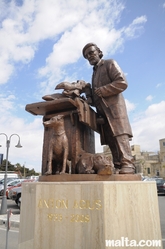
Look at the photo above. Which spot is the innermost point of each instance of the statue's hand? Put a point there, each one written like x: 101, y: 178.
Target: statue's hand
x: 98, y: 92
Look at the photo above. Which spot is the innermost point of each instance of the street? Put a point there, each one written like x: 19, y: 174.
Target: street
x: 13, y: 232
x: 12, y: 238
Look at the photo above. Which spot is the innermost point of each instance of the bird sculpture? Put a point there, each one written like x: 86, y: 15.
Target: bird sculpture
x: 70, y: 90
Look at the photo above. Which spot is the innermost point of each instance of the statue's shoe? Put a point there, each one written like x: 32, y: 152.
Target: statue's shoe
x: 127, y: 170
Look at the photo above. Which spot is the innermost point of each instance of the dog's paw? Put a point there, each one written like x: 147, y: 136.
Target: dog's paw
x: 49, y: 172
x: 91, y: 171
x: 62, y: 172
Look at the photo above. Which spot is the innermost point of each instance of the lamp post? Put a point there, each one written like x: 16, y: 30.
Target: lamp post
x: 4, y: 199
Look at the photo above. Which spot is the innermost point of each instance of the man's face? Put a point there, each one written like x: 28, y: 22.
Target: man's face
x: 92, y: 55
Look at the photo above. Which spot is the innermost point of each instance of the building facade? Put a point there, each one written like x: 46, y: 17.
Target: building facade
x: 147, y: 163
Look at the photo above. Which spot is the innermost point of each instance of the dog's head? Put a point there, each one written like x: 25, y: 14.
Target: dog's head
x: 55, y: 121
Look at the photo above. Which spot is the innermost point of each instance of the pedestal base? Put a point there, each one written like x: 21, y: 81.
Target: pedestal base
x: 89, y: 177
x: 87, y: 215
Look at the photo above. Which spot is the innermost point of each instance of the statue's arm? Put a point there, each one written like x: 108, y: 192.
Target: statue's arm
x: 117, y: 82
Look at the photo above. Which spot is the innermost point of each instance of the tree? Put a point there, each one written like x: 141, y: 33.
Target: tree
x: 3, y: 165
x: 20, y: 170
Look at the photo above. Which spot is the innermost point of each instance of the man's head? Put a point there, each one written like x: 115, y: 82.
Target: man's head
x: 92, y: 53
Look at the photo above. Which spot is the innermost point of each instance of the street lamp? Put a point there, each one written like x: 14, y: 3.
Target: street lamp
x: 4, y: 199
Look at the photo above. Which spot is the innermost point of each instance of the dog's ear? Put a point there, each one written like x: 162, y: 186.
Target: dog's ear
x: 60, y: 117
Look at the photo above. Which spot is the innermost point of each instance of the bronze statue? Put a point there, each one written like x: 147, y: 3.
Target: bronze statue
x: 73, y: 139
x: 108, y: 83
x: 58, y: 145
x: 97, y: 163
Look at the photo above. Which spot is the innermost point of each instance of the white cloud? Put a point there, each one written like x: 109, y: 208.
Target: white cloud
x: 76, y: 22
x: 31, y: 137
x: 7, y: 103
x: 158, y: 85
x: 135, y: 28
x: 130, y: 106
x: 95, y: 28
x: 150, y: 127
x: 6, y: 70
x: 163, y: 5
x: 149, y: 98
x: 73, y: 23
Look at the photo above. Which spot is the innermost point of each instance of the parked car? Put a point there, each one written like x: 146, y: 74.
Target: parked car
x: 151, y: 179
x: 19, y: 203
x: 13, y: 186
x: 15, y: 193
x: 8, y: 179
x: 160, y: 185
x: 148, y: 179
x: 144, y: 178
x: 9, y: 183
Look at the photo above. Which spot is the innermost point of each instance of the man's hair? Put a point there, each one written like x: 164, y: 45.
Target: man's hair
x: 89, y: 45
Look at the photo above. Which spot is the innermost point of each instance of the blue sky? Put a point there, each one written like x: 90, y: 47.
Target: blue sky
x: 40, y: 46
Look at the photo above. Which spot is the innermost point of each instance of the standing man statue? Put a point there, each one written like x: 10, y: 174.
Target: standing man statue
x: 108, y: 83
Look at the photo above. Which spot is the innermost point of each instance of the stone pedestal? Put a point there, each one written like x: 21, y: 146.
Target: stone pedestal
x: 83, y: 215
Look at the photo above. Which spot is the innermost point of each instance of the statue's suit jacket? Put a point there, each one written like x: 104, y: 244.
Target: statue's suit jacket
x: 109, y: 77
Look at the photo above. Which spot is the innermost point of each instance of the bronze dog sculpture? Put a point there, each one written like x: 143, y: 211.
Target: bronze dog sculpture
x: 58, y: 145
x: 94, y: 164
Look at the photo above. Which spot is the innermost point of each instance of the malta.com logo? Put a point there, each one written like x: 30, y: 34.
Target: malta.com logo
x: 125, y: 242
